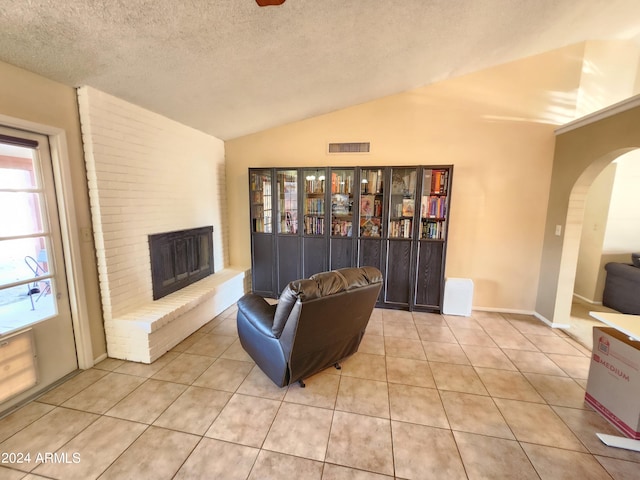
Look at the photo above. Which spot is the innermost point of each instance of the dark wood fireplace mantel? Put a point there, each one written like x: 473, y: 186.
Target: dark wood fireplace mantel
x: 180, y: 258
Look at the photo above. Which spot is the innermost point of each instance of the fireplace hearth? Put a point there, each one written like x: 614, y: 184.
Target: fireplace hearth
x: 180, y: 258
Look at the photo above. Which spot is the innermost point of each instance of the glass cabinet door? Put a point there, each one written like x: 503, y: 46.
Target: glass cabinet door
x: 314, y: 198
x: 402, y: 202
x: 433, y: 204
x: 261, y: 206
x: 342, y: 203
x: 371, y: 195
x: 287, y: 201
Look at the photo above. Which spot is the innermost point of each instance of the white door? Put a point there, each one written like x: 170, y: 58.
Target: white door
x: 37, y: 345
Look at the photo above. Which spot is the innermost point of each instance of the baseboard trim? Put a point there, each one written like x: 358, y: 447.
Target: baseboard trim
x: 586, y: 300
x: 523, y: 312
x: 97, y: 360
x: 503, y: 310
x: 550, y: 323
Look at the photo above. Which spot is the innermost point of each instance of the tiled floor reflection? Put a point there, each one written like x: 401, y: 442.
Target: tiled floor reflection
x: 427, y: 396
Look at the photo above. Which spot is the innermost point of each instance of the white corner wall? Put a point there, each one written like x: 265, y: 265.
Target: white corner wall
x: 623, y: 223
x: 589, y: 268
x: 147, y: 174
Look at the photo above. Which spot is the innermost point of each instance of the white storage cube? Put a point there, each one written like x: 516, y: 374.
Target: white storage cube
x: 458, y: 296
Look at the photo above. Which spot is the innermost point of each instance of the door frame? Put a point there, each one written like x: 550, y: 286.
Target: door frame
x: 71, y: 243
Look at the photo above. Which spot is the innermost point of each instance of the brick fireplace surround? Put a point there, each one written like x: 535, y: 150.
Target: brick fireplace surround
x: 148, y: 174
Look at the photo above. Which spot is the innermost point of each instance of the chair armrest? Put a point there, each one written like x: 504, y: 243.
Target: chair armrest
x: 258, y: 313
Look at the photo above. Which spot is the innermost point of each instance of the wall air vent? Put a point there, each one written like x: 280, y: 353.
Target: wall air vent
x: 350, y: 147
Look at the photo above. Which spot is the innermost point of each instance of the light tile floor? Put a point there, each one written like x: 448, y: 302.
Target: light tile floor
x: 427, y: 396
x: 581, y: 323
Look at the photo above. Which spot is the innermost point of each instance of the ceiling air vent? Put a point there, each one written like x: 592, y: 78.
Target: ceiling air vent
x: 350, y: 147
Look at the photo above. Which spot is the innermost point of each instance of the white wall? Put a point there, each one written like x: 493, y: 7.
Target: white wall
x: 623, y: 224
x: 589, y: 269
x: 495, y: 126
x: 147, y: 174
x: 611, y: 226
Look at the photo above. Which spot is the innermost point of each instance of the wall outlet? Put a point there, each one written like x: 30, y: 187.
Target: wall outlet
x: 558, y: 230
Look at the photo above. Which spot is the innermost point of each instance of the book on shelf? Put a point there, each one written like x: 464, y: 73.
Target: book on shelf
x: 433, y: 230
x: 439, y: 181
x: 313, y: 225
x: 377, y: 207
x: 314, y: 206
x: 341, y: 228
x: 367, y: 205
x: 433, y: 206
x: 408, y: 206
x: 341, y: 183
x: 340, y: 204
x: 371, y: 182
x: 424, y: 206
x: 370, y: 227
x: 314, y: 185
x: 400, y: 228
x: 348, y: 184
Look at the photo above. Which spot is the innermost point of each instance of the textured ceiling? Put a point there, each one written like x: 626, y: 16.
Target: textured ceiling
x: 229, y: 67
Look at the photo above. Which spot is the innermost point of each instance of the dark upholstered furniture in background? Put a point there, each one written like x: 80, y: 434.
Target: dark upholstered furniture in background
x: 317, y: 323
x: 622, y: 286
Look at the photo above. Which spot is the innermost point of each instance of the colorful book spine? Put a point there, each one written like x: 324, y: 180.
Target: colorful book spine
x: 439, y: 179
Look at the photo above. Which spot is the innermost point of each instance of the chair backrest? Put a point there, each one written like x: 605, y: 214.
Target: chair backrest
x: 328, y: 318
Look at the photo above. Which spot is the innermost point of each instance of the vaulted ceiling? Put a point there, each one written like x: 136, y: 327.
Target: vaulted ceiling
x: 230, y: 68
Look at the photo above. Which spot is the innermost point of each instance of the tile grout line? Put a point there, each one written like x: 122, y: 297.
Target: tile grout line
x: 282, y: 401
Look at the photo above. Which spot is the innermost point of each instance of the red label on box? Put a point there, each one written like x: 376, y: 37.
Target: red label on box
x: 603, y: 345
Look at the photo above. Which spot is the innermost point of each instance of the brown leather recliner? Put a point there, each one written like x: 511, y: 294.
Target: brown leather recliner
x: 316, y: 323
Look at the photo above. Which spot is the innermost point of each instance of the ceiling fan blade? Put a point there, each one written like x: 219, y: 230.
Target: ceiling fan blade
x: 266, y: 3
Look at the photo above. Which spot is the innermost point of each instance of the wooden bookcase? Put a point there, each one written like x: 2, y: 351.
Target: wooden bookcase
x: 308, y: 220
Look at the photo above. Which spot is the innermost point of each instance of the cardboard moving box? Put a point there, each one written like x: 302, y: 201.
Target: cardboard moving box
x: 613, y: 387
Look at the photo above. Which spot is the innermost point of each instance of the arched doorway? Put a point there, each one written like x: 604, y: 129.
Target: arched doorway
x: 608, y: 233
x: 583, y: 149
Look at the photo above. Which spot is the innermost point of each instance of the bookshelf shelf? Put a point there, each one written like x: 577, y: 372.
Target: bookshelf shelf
x: 393, y: 218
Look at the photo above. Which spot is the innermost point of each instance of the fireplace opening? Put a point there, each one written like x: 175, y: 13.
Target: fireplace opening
x: 180, y: 258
